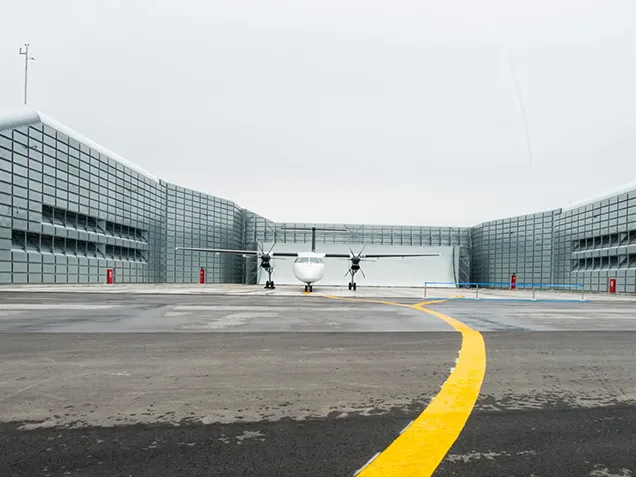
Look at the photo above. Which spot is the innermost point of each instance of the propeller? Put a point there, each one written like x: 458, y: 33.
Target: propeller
x: 266, y: 261
x: 266, y: 257
x: 359, y: 269
x: 355, y: 262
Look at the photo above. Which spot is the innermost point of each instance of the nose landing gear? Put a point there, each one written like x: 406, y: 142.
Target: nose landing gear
x: 352, y: 271
x: 309, y: 288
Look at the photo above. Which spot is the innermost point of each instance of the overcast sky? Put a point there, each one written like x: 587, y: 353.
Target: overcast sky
x: 397, y: 112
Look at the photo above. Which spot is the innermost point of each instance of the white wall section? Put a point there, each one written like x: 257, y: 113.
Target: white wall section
x: 398, y: 272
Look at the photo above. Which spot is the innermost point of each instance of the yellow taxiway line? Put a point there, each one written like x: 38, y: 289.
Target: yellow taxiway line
x: 420, y: 448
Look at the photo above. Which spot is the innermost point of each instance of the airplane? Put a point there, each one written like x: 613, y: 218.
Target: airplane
x: 309, y: 267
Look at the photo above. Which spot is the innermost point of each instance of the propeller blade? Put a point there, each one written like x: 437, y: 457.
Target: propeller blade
x: 352, y: 254
x: 348, y: 272
x: 362, y: 271
x: 271, y: 248
x: 363, y: 247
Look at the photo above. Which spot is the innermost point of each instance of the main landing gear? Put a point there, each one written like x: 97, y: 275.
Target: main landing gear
x: 309, y: 288
x: 355, y: 268
x: 269, y: 283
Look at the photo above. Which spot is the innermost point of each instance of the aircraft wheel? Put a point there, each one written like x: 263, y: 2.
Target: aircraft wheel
x: 354, y: 286
x: 271, y: 284
x: 306, y: 288
x: 267, y: 284
x: 311, y: 288
x: 349, y: 285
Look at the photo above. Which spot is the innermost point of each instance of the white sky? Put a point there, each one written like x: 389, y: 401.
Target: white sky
x: 397, y: 112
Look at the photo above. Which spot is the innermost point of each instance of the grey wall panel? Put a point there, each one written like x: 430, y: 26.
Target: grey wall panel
x: 522, y: 245
x: 591, y: 255
x: 195, y: 219
x: 56, y: 179
x: 582, y: 248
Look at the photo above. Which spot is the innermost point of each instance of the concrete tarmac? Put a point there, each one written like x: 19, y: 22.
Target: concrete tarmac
x: 125, y: 384
x: 523, y: 292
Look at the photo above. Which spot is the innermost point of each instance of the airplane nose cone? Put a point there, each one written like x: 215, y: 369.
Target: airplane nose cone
x: 301, y: 272
x: 308, y: 272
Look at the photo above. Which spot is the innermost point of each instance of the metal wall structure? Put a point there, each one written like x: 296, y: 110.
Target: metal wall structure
x: 70, y: 209
x: 260, y: 230
x: 195, y: 219
x: 596, y: 240
x: 581, y: 245
x: 521, y: 245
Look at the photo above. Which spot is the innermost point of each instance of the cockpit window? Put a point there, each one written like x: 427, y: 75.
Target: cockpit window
x: 308, y: 260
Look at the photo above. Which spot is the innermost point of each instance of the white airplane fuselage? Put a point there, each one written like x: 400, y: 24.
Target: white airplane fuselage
x: 309, y: 267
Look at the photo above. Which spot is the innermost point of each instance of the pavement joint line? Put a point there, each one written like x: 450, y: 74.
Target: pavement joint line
x: 420, y: 447
x: 58, y: 306
x: 382, y: 302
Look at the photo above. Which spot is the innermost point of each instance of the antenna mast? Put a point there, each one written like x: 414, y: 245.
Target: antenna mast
x: 27, y: 58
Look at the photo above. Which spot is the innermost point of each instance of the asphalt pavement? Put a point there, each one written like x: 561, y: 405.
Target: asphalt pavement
x: 94, y: 384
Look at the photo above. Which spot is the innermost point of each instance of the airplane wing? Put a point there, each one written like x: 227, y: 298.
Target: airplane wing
x: 383, y: 255
x: 237, y: 252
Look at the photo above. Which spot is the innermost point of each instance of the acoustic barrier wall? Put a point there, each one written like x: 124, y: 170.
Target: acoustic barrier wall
x: 70, y: 209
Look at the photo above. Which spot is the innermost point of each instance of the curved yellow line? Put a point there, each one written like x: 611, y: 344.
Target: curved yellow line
x: 424, y: 443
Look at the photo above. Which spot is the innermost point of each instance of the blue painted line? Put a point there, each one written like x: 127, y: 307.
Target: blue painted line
x: 505, y: 285
x: 542, y: 300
